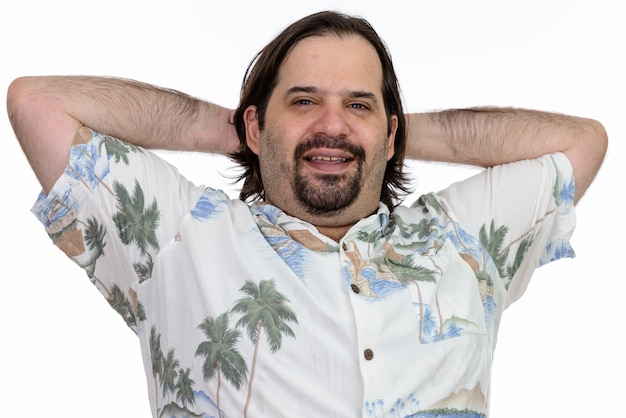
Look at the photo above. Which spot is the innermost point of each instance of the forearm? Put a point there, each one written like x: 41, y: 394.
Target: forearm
x: 140, y: 113
x: 491, y: 136
x: 46, y: 111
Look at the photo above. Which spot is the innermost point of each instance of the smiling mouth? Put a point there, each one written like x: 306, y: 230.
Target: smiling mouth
x: 329, y: 155
x: 328, y: 159
x: 328, y: 164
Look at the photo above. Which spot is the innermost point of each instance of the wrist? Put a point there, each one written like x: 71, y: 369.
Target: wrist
x: 425, y: 141
x: 216, y: 133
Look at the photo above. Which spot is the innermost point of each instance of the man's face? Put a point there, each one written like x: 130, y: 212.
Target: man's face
x: 324, y: 146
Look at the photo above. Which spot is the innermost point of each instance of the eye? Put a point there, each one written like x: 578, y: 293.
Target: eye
x: 358, y: 106
x: 303, y: 102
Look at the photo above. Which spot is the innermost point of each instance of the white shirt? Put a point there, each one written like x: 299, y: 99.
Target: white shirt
x: 254, y: 311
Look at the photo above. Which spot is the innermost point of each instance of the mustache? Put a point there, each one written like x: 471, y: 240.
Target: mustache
x: 324, y: 141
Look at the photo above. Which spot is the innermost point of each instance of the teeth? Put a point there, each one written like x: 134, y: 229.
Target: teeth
x: 343, y: 160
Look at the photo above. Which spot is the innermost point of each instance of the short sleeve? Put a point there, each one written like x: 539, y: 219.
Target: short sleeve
x: 522, y: 214
x: 112, y: 210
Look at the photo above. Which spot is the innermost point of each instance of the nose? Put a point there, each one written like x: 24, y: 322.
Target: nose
x: 332, y: 120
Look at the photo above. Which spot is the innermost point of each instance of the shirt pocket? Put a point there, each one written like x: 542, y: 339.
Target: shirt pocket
x: 449, y: 297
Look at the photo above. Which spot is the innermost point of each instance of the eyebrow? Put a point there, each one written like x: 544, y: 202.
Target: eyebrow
x: 357, y: 94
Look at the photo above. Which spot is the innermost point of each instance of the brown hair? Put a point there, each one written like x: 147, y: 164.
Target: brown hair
x: 262, y: 76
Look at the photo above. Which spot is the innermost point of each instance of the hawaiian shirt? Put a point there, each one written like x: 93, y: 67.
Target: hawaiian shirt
x: 243, y: 310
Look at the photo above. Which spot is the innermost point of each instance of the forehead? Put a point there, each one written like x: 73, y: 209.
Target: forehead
x: 332, y: 62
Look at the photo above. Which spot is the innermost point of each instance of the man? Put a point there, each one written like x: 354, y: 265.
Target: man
x: 323, y: 297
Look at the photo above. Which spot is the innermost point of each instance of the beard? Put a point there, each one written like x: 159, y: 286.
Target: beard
x: 336, y: 191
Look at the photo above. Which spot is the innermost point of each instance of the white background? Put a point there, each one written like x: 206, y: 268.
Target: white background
x: 64, y: 352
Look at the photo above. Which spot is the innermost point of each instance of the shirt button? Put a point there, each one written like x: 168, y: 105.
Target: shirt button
x: 368, y: 354
x: 344, y: 246
x: 355, y: 288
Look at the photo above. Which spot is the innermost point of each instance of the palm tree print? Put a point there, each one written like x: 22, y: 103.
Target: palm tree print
x: 264, y: 309
x: 144, y: 270
x: 492, y: 244
x: 169, y: 372
x: 122, y: 305
x: 156, y: 357
x: 173, y: 379
x: 220, y: 354
x: 369, y: 238
x: 84, y: 156
x: 519, y: 256
x: 117, y: 149
x: 563, y: 192
x: 184, y: 388
x: 134, y: 223
x: 93, y: 236
x: 407, y: 272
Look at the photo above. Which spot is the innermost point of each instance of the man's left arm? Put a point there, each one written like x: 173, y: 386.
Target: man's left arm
x: 487, y: 137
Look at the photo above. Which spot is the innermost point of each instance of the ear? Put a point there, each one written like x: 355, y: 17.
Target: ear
x: 253, y: 132
x: 391, y: 139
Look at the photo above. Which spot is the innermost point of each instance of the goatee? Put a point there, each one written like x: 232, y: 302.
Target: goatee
x: 333, y: 192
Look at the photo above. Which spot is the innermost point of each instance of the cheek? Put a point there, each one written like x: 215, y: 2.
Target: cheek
x: 275, y: 146
x: 270, y: 150
x: 379, y: 158
x: 274, y: 157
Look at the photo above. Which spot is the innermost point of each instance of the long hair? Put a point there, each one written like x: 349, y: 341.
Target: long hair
x: 262, y: 76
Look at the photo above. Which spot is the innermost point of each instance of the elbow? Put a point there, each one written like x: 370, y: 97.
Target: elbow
x: 589, y: 156
x: 593, y: 143
x: 597, y: 143
x: 601, y: 138
x: 18, y: 94
x: 13, y: 95
x: 18, y: 90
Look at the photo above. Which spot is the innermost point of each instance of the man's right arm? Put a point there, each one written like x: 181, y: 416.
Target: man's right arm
x: 46, y: 112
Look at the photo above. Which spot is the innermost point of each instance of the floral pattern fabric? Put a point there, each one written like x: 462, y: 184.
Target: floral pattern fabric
x: 245, y: 311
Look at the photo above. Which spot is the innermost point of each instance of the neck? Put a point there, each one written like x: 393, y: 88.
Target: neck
x: 333, y: 225
x: 334, y: 232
